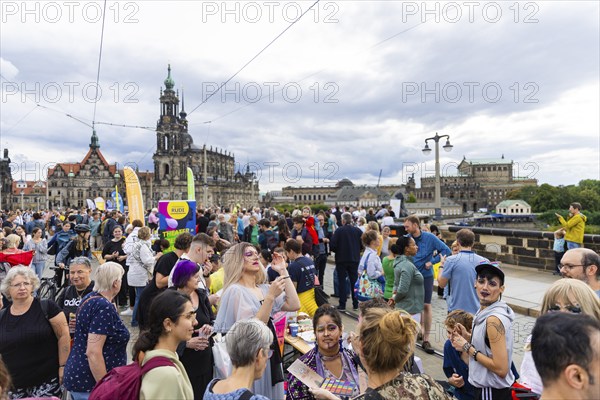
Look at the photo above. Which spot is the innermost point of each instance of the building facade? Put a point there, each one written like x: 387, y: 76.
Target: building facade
x: 70, y: 184
x: 479, y: 184
x: 28, y: 195
x: 343, y: 193
x: 513, y: 207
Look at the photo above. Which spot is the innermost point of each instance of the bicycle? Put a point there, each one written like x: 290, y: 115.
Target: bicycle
x: 49, y: 289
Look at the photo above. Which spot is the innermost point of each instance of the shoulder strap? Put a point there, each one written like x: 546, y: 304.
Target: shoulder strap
x: 155, y: 362
x: 44, y: 304
x: 247, y: 395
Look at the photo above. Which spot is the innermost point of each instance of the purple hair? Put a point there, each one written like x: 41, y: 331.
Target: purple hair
x: 184, y: 270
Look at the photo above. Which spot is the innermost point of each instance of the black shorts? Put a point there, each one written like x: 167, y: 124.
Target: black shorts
x: 493, y: 394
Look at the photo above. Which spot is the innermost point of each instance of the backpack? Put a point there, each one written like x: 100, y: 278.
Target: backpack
x: 125, y: 382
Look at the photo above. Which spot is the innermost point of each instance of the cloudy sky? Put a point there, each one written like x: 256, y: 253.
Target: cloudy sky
x: 352, y: 88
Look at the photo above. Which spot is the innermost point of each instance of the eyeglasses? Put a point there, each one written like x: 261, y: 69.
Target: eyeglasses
x: 570, y: 266
x: 576, y: 309
x: 22, y: 284
x: 269, y: 352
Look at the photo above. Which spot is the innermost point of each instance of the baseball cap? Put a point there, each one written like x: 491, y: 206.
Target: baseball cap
x: 492, y: 267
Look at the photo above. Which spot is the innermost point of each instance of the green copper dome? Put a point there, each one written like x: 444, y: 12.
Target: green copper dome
x: 169, y: 82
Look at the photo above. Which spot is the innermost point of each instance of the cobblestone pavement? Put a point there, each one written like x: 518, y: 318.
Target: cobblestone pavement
x: 432, y: 363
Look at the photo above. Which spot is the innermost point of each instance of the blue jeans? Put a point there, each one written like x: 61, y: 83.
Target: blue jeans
x: 573, y: 245
x: 336, y: 283
x: 138, y: 292
x: 80, y: 395
x: 38, y: 267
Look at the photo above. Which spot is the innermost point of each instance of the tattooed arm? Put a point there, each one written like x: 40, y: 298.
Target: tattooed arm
x: 498, y: 363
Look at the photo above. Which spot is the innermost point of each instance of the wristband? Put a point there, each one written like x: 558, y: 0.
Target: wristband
x: 466, y: 347
x: 61, y: 366
x: 475, y: 355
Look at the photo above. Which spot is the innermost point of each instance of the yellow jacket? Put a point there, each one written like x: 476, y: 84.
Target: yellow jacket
x: 575, y: 227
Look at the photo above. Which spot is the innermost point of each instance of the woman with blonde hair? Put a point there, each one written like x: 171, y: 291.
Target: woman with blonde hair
x: 565, y: 295
x: 386, y: 339
x: 374, y: 226
x: 247, y: 294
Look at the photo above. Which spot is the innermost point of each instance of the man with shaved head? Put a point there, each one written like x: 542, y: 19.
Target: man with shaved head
x: 582, y: 264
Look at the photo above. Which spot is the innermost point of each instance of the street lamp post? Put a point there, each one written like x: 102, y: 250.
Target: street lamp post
x: 427, y: 150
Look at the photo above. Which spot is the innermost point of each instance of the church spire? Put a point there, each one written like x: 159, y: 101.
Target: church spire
x: 94, y: 143
x: 182, y: 114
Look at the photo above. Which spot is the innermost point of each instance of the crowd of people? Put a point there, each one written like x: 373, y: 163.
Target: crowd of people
x: 237, y: 272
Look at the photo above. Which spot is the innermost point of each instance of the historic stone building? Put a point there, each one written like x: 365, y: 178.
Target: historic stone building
x: 343, y: 193
x: 175, y: 151
x: 28, y: 195
x: 70, y: 184
x: 6, y: 182
x: 478, y: 184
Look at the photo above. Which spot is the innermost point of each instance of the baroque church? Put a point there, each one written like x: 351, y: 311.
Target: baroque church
x: 70, y: 184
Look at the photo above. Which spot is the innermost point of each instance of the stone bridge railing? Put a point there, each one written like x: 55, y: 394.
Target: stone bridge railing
x: 524, y: 248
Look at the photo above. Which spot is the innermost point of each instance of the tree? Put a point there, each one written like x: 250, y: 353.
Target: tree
x: 411, y: 198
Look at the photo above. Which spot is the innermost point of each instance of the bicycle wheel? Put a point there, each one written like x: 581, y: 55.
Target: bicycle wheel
x: 47, y: 289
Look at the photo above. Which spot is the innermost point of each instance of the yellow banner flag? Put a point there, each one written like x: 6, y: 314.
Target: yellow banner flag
x: 134, y: 195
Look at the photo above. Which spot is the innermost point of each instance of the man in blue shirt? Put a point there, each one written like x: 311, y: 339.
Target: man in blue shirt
x: 430, y: 250
x: 458, y: 272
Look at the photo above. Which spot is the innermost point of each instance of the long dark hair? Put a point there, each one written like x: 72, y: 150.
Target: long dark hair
x: 283, y: 227
x: 169, y: 304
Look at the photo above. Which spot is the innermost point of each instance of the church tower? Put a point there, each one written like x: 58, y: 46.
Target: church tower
x: 171, y: 138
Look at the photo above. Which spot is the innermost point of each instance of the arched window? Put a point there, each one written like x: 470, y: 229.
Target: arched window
x: 166, y: 169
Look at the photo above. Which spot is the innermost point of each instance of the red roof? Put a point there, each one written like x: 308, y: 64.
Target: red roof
x: 75, y: 167
x: 29, y: 189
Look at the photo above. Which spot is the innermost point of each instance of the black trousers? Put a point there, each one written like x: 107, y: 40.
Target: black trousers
x: 347, y: 269
x: 320, y: 264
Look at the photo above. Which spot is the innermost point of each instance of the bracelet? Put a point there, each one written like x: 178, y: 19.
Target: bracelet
x: 466, y: 347
x: 61, y: 366
x: 475, y: 355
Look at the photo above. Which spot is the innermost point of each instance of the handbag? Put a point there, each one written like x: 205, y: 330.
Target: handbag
x: 223, y: 366
x: 365, y: 287
x: 320, y: 296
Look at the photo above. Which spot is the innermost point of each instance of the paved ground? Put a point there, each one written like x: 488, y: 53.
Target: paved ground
x: 524, y: 291
x: 524, y: 287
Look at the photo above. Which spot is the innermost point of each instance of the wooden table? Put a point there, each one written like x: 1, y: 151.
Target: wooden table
x: 298, y: 343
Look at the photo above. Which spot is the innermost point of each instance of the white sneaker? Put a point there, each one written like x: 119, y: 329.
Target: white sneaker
x: 129, y: 311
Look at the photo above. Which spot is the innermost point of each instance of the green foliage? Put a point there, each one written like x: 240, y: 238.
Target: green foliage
x: 411, y: 198
x: 547, y: 198
x: 592, y: 225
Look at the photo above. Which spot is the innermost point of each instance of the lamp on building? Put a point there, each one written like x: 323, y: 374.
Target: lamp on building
x: 426, y: 151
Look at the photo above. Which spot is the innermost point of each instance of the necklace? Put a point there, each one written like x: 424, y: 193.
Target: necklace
x: 79, y: 293
x: 330, y: 358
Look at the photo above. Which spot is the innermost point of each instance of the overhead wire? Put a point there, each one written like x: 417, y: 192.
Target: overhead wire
x: 99, y: 64
x: 254, y: 58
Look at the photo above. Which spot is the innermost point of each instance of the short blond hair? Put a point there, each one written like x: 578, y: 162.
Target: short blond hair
x: 12, y: 241
x: 106, y: 275
x: 21, y: 270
